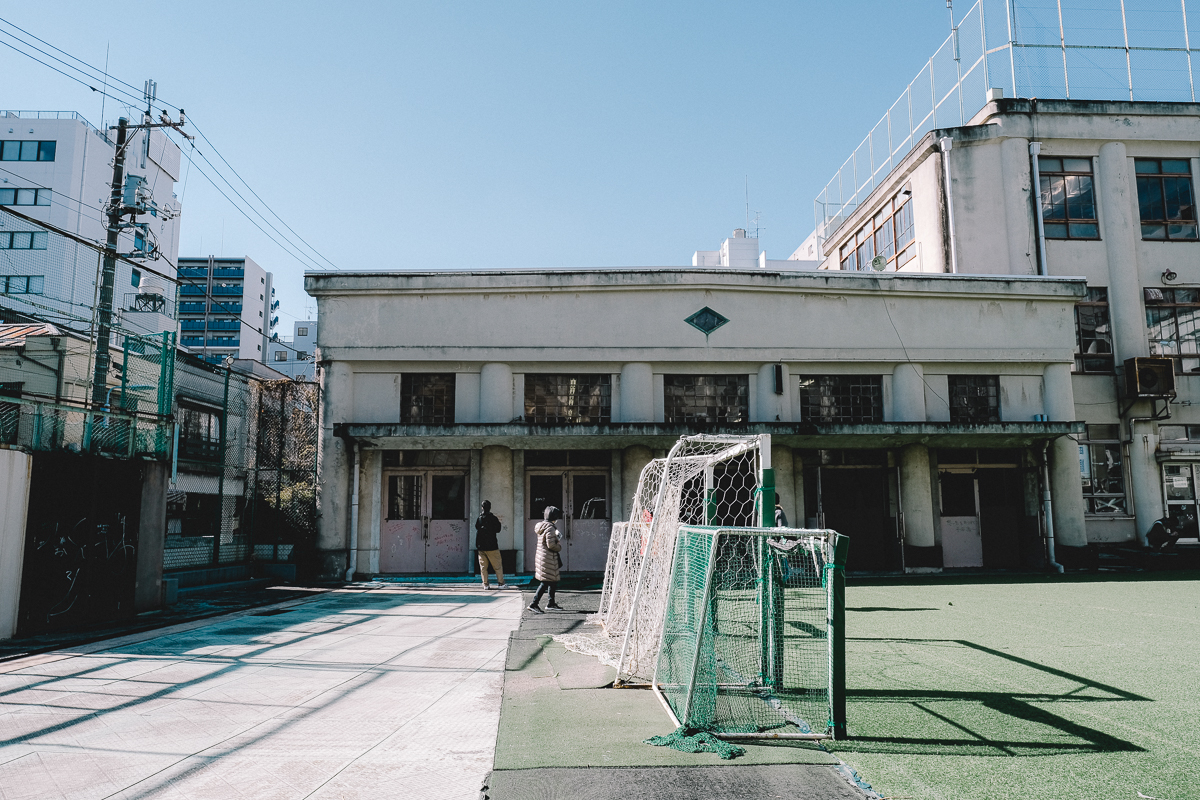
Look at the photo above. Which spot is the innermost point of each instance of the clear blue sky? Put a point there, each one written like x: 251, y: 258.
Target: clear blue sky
x: 433, y: 135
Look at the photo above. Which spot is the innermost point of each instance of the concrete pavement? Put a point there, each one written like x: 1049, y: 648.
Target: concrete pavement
x: 365, y: 692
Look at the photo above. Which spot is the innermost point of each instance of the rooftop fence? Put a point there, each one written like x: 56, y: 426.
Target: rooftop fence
x: 1050, y: 49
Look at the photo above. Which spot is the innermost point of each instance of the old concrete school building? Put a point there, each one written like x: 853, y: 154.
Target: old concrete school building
x: 913, y: 412
x: 1116, y: 205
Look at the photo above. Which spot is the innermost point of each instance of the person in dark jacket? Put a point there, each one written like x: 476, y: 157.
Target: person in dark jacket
x: 547, y: 560
x: 486, y: 545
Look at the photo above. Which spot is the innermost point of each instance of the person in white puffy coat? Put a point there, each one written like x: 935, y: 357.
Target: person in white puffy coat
x: 546, y: 562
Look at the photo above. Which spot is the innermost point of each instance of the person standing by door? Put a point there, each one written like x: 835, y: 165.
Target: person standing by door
x: 486, y: 545
x: 547, y: 562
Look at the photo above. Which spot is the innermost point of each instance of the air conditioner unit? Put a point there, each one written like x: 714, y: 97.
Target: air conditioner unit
x: 1149, y: 378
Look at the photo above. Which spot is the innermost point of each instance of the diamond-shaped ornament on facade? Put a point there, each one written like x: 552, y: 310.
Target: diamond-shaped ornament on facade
x: 706, y: 320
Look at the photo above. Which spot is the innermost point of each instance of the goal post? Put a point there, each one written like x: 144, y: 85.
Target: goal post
x: 753, y: 637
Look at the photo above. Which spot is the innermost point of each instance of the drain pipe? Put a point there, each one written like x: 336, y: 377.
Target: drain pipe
x: 947, y: 144
x: 1048, y: 508
x: 1035, y: 149
x: 353, y: 520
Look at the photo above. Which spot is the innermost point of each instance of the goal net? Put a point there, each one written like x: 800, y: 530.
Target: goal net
x: 751, y: 639
x: 704, y: 480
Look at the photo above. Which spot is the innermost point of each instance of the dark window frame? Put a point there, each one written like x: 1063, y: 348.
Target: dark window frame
x: 1169, y: 310
x: 1093, y: 334
x: 974, y: 399
x: 426, y: 398
x: 890, y: 232
x: 722, y: 399
x: 841, y: 399
x: 557, y: 398
x: 1060, y: 181
x: 1101, y: 447
x: 1155, y: 187
x: 43, y: 150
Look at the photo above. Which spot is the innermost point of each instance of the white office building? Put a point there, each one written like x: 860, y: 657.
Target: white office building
x: 56, y: 168
x: 293, y: 356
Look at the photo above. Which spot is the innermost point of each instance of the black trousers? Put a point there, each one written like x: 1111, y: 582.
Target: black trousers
x: 551, y: 585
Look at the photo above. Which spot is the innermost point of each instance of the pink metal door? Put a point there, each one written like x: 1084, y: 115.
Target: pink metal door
x: 448, y: 547
x: 402, y: 533
x: 589, y: 526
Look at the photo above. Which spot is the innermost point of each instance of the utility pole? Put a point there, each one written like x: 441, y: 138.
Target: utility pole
x: 109, y: 272
x: 125, y: 200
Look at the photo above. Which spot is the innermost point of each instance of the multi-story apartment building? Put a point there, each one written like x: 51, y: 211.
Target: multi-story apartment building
x: 226, y: 308
x: 294, y: 357
x: 56, y: 168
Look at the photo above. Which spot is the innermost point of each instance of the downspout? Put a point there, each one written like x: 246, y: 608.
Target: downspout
x: 947, y: 144
x: 1048, y: 508
x: 1035, y: 148
x: 353, y: 521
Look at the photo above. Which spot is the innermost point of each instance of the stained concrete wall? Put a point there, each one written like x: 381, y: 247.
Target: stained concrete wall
x: 16, y: 471
x: 152, y: 531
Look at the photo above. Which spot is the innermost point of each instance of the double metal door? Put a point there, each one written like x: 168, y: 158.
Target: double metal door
x: 424, y: 526
x: 583, y: 496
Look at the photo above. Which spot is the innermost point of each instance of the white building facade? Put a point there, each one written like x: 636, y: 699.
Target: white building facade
x: 535, y: 388
x: 1100, y: 190
x: 56, y: 168
x: 226, y: 308
x: 294, y: 356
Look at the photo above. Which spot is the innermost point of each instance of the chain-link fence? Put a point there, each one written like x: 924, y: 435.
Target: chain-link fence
x: 1051, y: 49
x: 244, y: 487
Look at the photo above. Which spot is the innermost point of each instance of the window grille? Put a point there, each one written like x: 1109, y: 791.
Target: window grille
x: 1173, y: 326
x: 568, y: 399
x: 1093, y: 333
x: 853, y: 399
x: 1068, y: 199
x: 709, y: 399
x: 426, y: 399
x: 1102, y: 470
x: 974, y: 399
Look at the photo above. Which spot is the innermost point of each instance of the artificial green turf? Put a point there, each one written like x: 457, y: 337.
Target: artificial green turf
x: 1045, y: 689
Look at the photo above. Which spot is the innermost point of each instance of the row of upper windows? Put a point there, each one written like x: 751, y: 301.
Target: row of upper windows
x: 24, y: 240
x: 25, y: 197
x: 428, y: 399
x: 22, y: 284
x: 1166, y: 201
x: 889, y: 235
x: 27, y: 151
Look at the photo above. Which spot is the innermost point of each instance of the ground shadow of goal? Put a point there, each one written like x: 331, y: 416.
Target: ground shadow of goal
x: 982, y: 723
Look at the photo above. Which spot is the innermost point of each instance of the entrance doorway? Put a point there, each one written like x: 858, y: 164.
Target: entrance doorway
x: 853, y: 500
x: 982, y: 512
x: 424, y: 526
x: 583, y: 496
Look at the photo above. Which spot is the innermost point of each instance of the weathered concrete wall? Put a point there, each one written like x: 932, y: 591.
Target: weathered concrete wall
x: 151, y: 537
x: 16, y: 470
x: 496, y: 485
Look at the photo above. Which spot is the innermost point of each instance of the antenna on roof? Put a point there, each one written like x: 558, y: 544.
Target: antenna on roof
x: 747, y: 202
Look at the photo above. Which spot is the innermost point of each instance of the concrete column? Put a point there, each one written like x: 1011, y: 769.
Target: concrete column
x: 1066, y: 487
x: 637, y: 393
x: 785, y: 483
x: 617, y: 509
x: 495, y: 393
x: 916, y: 496
x: 908, y: 393
x: 773, y: 407
x: 370, y: 510
x: 333, y: 502
x: 1144, y: 478
x: 518, y: 518
x: 633, y: 460
x: 16, y: 472
x: 1019, y: 224
x: 1120, y: 220
x: 152, y: 532
x: 802, y: 511
x: 496, y: 485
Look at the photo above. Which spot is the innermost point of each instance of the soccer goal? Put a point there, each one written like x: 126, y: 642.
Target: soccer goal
x: 704, y: 480
x: 753, y: 644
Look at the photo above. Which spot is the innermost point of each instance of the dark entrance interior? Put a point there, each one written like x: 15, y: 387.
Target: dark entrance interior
x: 1001, y: 515
x: 855, y: 503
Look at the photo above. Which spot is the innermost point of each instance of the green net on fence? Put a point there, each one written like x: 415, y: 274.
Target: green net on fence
x: 745, y: 642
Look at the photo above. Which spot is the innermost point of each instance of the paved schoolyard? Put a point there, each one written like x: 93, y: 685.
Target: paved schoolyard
x: 379, y: 693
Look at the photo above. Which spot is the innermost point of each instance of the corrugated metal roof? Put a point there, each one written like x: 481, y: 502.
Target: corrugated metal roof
x: 13, y: 335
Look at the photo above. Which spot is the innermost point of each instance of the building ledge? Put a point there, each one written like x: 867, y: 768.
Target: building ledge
x: 466, y: 436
